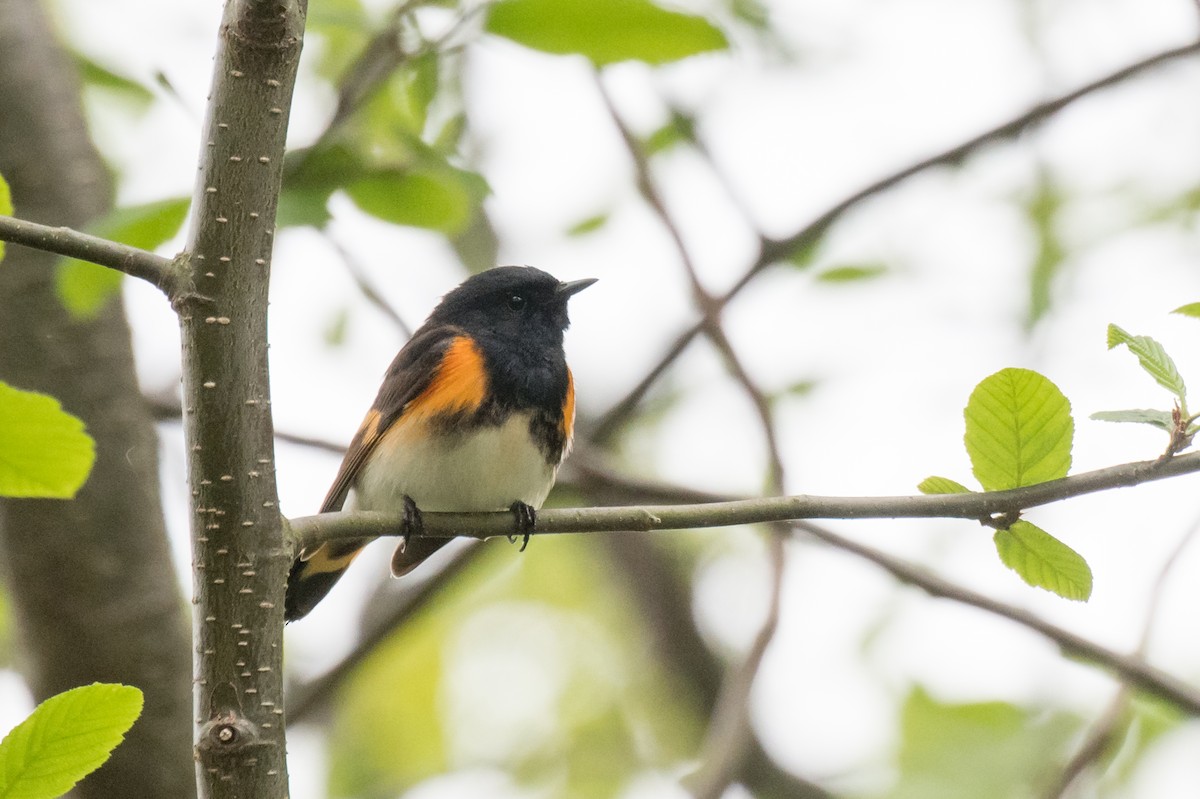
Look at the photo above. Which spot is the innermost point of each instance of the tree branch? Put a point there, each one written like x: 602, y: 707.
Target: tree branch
x: 772, y: 250
x: 1131, y: 669
x: 134, y: 262
x: 310, y: 531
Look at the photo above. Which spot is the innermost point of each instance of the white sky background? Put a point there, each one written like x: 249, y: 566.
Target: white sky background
x: 879, y: 84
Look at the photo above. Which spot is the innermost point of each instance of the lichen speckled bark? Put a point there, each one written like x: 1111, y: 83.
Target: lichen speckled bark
x: 91, y: 580
x: 240, y: 556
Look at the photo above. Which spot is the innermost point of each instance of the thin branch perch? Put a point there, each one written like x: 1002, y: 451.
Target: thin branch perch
x: 312, y: 530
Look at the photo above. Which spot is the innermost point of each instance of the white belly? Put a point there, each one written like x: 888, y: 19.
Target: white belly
x: 488, y: 469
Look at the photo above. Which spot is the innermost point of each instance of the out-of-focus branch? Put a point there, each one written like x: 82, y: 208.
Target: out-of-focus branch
x: 304, y: 700
x: 772, y: 250
x: 730, y: 735
x: 1108, y: 725
x: 1130, y: 669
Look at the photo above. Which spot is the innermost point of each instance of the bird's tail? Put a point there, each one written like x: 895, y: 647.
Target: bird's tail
x: 315, y: 572
x: 412, y: 552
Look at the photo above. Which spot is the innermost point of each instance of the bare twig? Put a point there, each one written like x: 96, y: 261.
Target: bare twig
x: 772, y: 250
x: 370, y: 293
x: 63, y: 241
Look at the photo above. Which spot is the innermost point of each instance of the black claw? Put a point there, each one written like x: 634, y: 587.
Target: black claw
x: 413, y: 523
x: 526, y: 518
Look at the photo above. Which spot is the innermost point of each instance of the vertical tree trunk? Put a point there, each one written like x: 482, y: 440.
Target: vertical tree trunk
x: 91, y: 580
x: 241, y: 559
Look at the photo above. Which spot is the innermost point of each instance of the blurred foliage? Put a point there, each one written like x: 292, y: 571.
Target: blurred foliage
x: 533, y: 662
x: 126, y: 91
x: 1042, y: 209
x: 86, y: 288
x: 982, y: 750
x: 6, y: 206
x: 6, y: 630
x: 608, y: 32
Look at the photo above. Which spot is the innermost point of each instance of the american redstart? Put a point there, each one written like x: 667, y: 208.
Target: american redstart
x: 475, y: 414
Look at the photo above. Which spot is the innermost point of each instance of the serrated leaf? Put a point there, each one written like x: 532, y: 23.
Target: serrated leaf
x: 66, y: 738
x: 1153, y: 359
x: 850, y: 273
x: 6, y: 206
x: 941, y: 485
x: 85, y: 288
x: 1159, y: 419
x: 605, y: 32
x: 44, y: 451
x: 1043, y: 561
x: 1019, y: 430
x: 1191, y: 309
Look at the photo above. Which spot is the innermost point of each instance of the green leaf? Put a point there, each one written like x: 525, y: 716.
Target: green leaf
x: 1153, y: 359
x: 1019, y: 430
x: 1043, y: 209
x: 66, y: 738
x: 130, y: 91
x: 6, y: 632
x: 335, y: 329
x: 605, y: 32
x: 442, y: 200
x: 85, y: 288
x: 980, y: 750
x: 6, y: 206
x: 1043, y: 561
x: 44, y: 451
x: 589, y: 225
x: 680, y: 129
x: 851, y: 272
x: 1191, y: 309
x: 941, y: 485
x: 1159, y: 419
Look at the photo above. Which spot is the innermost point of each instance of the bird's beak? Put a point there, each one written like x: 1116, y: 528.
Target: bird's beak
x: 566, y: 290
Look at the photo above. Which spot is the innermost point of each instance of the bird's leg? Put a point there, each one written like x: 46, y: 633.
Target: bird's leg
x: 526, y: 519
x: 413, y: 523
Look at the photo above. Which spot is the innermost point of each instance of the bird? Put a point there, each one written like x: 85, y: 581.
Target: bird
x: 475, y: 413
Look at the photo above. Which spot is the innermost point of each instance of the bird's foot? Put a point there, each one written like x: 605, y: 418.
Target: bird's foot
x: 413, y: 523
x: 526, y: 518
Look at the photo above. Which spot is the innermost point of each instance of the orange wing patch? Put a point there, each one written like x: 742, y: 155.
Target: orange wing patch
x: 459, y: 386
x: 568, y: 409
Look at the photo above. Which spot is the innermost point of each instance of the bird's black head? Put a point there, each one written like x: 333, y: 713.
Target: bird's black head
x: 516, y: 304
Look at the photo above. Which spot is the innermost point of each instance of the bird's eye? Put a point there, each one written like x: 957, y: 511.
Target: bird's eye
x: 516, y: 301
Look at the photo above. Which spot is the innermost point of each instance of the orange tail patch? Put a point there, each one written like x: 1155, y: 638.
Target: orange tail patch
x: 314, y: 573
